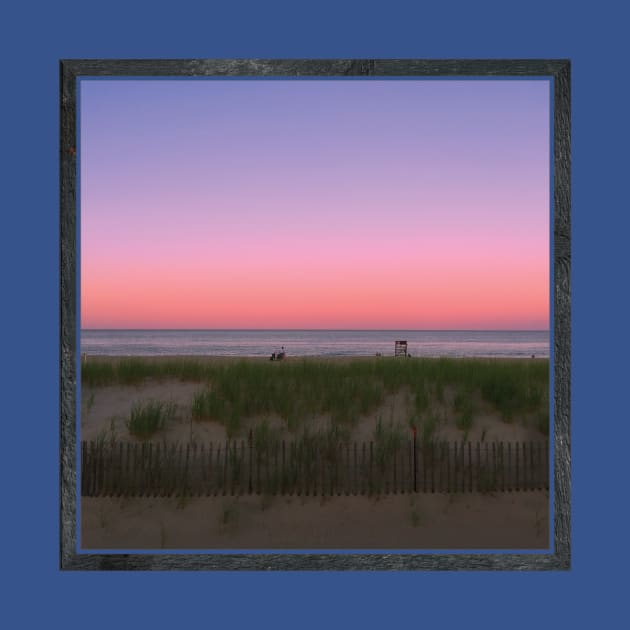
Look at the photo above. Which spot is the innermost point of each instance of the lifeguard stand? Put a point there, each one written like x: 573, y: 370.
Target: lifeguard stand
x: 400, y: 349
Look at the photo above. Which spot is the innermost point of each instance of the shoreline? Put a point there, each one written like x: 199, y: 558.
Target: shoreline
x: 293, y: 358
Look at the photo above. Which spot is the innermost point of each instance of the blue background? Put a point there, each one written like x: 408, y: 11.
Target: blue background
x: 36, y: 35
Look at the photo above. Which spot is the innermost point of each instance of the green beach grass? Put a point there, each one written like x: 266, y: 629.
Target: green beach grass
x: 148, y: 418
x: 297, y: 389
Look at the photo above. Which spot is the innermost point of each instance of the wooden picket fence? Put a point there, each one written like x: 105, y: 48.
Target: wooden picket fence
x: 299, y: 468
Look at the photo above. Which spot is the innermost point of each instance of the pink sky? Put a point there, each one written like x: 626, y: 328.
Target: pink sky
x: 315, y: 204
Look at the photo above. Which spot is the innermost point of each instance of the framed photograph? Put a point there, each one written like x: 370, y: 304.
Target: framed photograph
x: 315, y: 314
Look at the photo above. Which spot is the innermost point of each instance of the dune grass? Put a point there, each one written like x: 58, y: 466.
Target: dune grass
x: 134, y: 370
x: 148, y: 418
x: 343, y: 390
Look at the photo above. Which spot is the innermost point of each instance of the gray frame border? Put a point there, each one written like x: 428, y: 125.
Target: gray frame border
x: 557, y: 69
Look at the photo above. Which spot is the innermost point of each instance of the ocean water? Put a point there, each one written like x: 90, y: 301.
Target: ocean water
x: 346, y: 343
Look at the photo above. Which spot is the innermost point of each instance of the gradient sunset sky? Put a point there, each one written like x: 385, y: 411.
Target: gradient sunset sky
x: 361, y: 204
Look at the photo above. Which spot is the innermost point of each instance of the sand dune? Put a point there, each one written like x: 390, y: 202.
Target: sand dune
x: 514, y: 520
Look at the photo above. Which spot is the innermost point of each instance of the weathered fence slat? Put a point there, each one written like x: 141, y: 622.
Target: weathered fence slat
x: 516, y: 455
x: 355, y: 487
x: 446, y: 456
x: 310, y: 469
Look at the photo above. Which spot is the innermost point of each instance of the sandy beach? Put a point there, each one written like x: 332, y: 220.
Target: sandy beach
x: 420, y: 521
x: 503, y: 520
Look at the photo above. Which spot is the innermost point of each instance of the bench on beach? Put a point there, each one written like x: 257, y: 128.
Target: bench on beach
x: 400, y: 349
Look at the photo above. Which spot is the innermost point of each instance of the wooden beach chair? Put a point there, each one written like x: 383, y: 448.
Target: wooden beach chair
x: 400, y: 349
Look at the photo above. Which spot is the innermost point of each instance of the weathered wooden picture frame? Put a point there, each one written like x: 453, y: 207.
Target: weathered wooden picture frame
x: 558, y: 73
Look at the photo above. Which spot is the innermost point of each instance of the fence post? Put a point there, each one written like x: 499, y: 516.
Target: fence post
x: 159, y: 471
x: 319, y: 474
x: 394, y: 476
x: 539, y: 474
x: 212, y: 486
x: 495, y: 467
x: 517, y: 484
x: 462, y: 456
x: 283, y: 473
x: 119, y: 469
x: 347, y: 476
x: 415, y: 461
x: 469, y: 467
x: 310, y: 470
x: 502, y: 464
x: 146, y: 469
x: 251, y: 448
x: 150, y: 484
x: 266, y: 467
x: 240, y: 479
x: 371, y: 478
x: 140, y: 478
x: 109, y: 477
x: 487, y: 467
x: 149, y: 477
x: 448, y: 466
x: 274, y: 481
x: 363, y: 470
x: 343, y: 470
x: 299, y: 451
x: 338, y: 476
x: 438, y: 467
x: 478, y: 464
x: 440, y: 486
x: 426, y: 467
x: 455, y: 468
x: 356, y: 479
x: 219, y: 471
x: 96, y: 467
x: 234, y: 467
x: 533, y: 469
x: 526, y: 469
x: 404, y: 477
x: 178, y: 471
x: 202, y: 472
x: 226, y: 467
x: 293, y: 468
x: 185, y: 481
x: 134, y: 465
x: 433, y: 475
x: 193, y: 481
x: 510, y: 475
x: 125, y: 483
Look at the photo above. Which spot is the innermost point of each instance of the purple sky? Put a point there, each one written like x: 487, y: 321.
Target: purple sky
x: 314, y: 204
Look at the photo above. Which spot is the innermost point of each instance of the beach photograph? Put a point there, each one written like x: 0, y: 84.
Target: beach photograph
x: 314, y: 314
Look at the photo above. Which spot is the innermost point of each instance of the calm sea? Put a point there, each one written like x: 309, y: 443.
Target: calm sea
x: 254, y: 343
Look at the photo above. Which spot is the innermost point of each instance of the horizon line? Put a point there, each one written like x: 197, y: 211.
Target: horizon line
x: 326, y: 329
